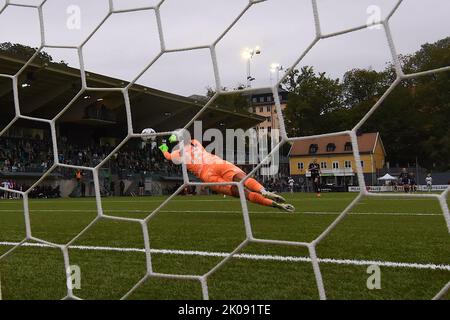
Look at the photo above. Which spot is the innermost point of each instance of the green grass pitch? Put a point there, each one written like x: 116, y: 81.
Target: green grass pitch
x: 385, y: 229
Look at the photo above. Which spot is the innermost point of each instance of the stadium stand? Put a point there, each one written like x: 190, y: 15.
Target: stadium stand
x: 92, y: 126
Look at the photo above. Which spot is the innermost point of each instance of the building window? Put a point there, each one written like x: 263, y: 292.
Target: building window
x: 362, y: 164
x: 269, y: 129
x: 269, y: 98
x: 300, y: 166
x: 335, y: 164
x: 348, y: 164
x: 255, y: 100
x: 261, y: 109
x: 268, y: 108
x: 254, y: 109
x: 323, y: 165
x: 331, y: 147
x: 348, y: 146
x: 313, y: 148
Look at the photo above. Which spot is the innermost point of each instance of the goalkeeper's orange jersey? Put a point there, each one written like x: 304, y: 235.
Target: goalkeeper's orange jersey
x: 197, y: 159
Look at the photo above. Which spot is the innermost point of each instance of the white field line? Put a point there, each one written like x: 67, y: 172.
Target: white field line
x: 429, y: 266
x: 224, y: 211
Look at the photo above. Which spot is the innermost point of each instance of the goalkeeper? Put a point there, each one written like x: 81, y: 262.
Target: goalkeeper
x: 212, y: 169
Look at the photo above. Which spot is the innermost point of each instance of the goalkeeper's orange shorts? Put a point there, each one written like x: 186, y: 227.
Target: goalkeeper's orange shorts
x: 216, y: 173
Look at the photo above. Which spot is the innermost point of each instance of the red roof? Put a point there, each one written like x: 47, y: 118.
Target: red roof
x: 366, y: 143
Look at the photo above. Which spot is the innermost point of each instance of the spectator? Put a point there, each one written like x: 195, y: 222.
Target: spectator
x: 122, y: 188
x: 112, y: 188
x: 412, y: 183
x: 83, y: 189
x: 291, y: 184
x: 141, y: 188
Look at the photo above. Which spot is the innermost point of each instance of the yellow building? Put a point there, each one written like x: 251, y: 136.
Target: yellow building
x: 334, y: 154
x: 263, y: 104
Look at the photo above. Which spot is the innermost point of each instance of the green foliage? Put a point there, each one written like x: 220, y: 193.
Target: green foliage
x: 413, y: 120
x: 311, y: 101
x: 234, y: 102
x: 20, y: 51
x: 430, y: 56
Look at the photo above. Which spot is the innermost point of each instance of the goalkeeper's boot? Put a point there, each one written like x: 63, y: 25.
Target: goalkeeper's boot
x: 273, y: 196
x: 284, y: 206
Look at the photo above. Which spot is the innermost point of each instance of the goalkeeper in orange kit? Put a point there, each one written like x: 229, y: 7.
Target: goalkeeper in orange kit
x: 212, y: 169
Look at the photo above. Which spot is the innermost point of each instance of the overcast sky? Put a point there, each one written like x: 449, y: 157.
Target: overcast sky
x: 282, y: 28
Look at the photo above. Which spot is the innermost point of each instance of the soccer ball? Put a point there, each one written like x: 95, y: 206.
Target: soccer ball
x: 147, y: 132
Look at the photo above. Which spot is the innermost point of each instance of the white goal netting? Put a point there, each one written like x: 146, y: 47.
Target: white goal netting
x: 250, y: 238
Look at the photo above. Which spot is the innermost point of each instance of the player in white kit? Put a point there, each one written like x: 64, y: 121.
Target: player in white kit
x: 429, y: 181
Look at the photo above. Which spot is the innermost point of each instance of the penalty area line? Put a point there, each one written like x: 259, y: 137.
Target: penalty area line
x: 258, y: 257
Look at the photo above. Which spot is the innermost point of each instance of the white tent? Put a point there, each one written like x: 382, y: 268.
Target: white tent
x: 387, y: 177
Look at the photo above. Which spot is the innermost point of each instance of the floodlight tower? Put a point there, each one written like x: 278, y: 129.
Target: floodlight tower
x: 276, y: 68
x: 248, y: 55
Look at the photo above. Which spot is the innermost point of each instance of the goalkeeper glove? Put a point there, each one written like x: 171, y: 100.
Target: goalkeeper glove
x: 173, y: 138
x: 164, y: 147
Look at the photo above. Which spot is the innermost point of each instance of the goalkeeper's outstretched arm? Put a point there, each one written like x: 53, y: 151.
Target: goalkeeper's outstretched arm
x: 169, y: 156
x: 165, y: 149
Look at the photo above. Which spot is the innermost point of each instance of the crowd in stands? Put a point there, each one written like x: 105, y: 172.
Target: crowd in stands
x: 131, y: 159
x: 25, y: 155
x: 143, y: 160
x: 36, y: 155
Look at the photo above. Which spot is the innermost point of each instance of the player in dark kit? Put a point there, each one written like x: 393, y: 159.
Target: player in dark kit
x: 314, y: 169
x: 412, y: 183
x: 404, y: 180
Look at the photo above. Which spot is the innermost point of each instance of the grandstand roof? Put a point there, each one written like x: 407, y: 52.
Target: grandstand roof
x: 54, y: 85
x: 366, y: 143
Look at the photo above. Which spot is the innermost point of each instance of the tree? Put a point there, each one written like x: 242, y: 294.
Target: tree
x: 234, y: 101
x: 20, y: 51
x: 360, y: 86
x: 430, y: 56
x: 413, y: 121
x: 312, y: 99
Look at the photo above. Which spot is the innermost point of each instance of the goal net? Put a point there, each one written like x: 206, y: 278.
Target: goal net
x: 221, y: 88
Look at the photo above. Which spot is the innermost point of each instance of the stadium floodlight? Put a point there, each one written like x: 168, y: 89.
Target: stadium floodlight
x: 248, y: 54
x: 276, y: 68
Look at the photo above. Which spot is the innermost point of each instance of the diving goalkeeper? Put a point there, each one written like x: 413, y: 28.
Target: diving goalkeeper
x: 212, y: 169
